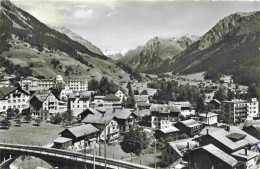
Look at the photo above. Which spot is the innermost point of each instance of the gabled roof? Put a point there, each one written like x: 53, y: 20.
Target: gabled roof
x: 221, y: 136
x: 82, y: 130
x: 123, y: 114
x: 111, y: 97
x: 97, y: 119
x: 93, y: 111
x: 213, y: 150
x: 42, y: 95
x: 5, y: 91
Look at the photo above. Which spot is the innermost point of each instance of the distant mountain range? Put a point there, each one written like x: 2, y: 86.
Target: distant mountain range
x: 149, y: 57
x: 115, y: 55
x: 78, y: 38
x: 230, y: 47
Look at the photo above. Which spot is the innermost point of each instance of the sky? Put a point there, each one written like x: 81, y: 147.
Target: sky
x: 115, y: 25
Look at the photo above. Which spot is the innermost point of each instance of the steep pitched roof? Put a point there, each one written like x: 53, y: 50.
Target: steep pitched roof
x: 4, y: 91
x: 97, y: 119
x: 82, y: 130
x: 123, y: 114
x: 42, y: 96
x: 213, y: 150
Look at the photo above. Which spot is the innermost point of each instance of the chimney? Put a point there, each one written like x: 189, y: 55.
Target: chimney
x: 228, y: 128
x: 245, y: 151
x: 207, y: 131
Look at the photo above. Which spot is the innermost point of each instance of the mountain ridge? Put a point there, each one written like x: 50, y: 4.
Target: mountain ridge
x: 148, y: 57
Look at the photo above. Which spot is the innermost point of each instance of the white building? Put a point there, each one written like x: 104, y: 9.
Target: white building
x: 209, y: 118
x: 252, y: 108
x: 14, y: 98
x: 78, y: 85
x: 29, y: 82
x: 44, y: 104
x: 78, y: 103
x: 64, y: 94
x: 120, y: 94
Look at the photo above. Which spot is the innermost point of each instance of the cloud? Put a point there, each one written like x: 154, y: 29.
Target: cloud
x: 83, y: 13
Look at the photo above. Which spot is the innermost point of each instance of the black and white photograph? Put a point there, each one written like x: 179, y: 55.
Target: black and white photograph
x: 129, y: 84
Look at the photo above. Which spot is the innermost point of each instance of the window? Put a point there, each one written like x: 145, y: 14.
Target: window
x: 168, y: 150
x: 171, y: 151
x: 165, y: 158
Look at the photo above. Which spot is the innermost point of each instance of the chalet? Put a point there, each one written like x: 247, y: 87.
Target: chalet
x: 190, y: 127
x: 75, y: 136
x: 13, y: 98
x: 164, y: 116
x: 210, y: 156
x: 78, y: 103
x: 45, y: 103
x: 106, y: 123
x: 86, y: 112
x: 126, y: 119
x: 175, y: 151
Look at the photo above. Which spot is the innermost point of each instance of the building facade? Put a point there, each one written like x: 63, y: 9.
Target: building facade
x: 13, y: 98
x: 237, y: 111
x: 78, y: 84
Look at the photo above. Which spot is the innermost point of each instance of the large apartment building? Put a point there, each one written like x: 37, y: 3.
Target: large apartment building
x: 237, y: 111
x: 78, y: 84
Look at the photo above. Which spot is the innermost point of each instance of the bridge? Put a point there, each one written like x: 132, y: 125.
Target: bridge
x: 61, y: 159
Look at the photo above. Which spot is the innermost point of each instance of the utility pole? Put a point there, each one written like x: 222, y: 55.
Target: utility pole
x: 94, y: 165
x: 155, y: 153
x: 85, y: 151
x: 105, y: 147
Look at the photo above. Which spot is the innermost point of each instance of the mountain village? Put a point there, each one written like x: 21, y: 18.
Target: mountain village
x: 184, y: 102
x: 185, y: 137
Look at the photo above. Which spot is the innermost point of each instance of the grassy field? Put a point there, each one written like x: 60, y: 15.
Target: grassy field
x: 27, y: 133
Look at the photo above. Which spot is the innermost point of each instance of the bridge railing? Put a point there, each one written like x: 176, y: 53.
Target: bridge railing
x: 75, y: 155
x: 109, y: 155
